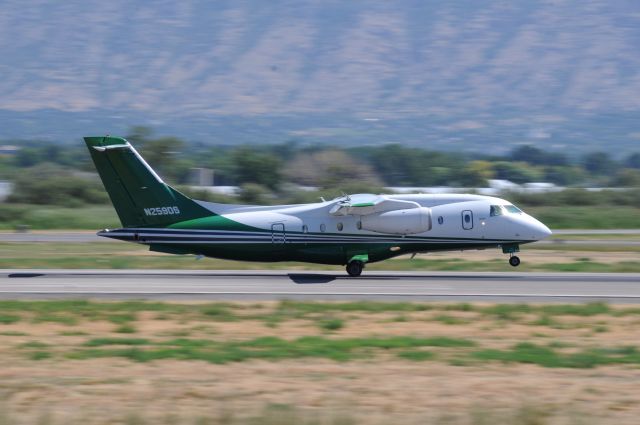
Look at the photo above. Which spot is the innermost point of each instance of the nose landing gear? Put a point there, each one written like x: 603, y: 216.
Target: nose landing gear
x: 511, y: 249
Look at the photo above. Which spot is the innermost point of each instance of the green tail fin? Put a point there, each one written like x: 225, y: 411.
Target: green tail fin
x: 138, y: 194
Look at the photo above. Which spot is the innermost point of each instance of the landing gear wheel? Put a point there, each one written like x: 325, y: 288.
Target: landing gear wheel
x: 514, y: 261
x: 354, y: 268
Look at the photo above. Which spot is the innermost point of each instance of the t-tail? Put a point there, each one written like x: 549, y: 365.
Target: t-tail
x: 138, y: 194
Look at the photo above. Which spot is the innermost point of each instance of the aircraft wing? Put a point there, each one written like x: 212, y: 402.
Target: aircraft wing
x: 365, y: 204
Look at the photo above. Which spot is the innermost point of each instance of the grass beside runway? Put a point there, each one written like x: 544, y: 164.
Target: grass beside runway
x: 323, y: 322
x: 552, y: 258
x: 294, y: 362
x: 47, y: 217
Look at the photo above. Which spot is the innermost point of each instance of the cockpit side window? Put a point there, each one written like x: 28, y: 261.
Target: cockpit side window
x: 495, y: 210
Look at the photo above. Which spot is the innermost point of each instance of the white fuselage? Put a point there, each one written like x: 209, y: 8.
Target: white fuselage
x: 453, y: 216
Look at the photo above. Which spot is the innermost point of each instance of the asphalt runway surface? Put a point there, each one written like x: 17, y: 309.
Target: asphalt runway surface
x: 275, y: 285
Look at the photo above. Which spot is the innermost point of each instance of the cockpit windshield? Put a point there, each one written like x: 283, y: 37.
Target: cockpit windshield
x: 513, y: 209
x: 496, y: 210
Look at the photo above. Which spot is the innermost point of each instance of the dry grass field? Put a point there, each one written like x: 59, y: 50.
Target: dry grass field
x: 81, y: 362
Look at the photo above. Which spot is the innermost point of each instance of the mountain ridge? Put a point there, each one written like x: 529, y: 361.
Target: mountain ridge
x: 464, y: 75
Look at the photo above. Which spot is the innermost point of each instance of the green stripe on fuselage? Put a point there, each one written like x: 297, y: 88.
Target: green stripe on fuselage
x: 214, y: 222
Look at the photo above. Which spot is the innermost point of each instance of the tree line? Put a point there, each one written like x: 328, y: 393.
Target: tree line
x: 47, y: 173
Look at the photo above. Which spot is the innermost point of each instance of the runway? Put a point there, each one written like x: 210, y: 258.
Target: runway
x: 274, y: 285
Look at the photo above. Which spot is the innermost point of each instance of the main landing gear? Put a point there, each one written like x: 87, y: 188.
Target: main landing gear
x: 354, y: 268
x: 514, y: 260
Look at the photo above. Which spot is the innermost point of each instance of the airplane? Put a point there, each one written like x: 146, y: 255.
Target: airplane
x: 351, y: 230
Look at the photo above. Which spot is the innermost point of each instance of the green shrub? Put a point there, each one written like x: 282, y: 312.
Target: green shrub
x: 526, y: 352
x: 126, y: 329
x: 39, y: 355
x: 49, y: 184
x: 219, y: 312
x: 450, y: 320
x: 62, y: 318
x: 267, y: 348
x: 98, y: 342
x: 122, y: 318
x: 33, y: 344
x: 7, y: 319
x: 416, y: 356
x: 331, y: 324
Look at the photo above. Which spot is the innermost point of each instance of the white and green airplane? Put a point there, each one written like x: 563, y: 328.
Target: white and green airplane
x: 352, y: 230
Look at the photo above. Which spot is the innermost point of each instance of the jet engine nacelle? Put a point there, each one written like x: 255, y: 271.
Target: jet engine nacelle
x: 399, y: 222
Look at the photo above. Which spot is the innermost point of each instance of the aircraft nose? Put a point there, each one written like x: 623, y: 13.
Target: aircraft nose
x: 538, y: 230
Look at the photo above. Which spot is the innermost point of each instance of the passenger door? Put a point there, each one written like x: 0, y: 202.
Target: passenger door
x: 467, y: 219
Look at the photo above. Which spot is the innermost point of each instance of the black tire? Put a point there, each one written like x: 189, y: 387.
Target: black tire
x: 354, y: 268
x: 514, y: 261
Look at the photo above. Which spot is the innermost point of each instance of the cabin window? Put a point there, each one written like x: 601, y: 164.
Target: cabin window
x: 323, y: 228
x: 359, y: 225
x: 440, y: 220
x: 305, y: 229
x: 340, y: 226
x: 495, y: 210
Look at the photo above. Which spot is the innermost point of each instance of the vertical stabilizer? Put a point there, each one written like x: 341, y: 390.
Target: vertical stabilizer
x: 138, y: 194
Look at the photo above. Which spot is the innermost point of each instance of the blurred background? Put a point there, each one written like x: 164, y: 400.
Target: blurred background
x: 461, y: 76
x: 276, y: 102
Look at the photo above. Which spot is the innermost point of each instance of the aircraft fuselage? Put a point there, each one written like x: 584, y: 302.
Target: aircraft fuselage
x: 309, y: 233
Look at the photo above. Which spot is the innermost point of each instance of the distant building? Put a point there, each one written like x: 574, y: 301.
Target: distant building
x: 433, y: 190
x: 9, y: 150
x: 503, y: 185
x: 536, y: 187
x: 220, y: 190
x: 5, y: 190
x: 201, y: 177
